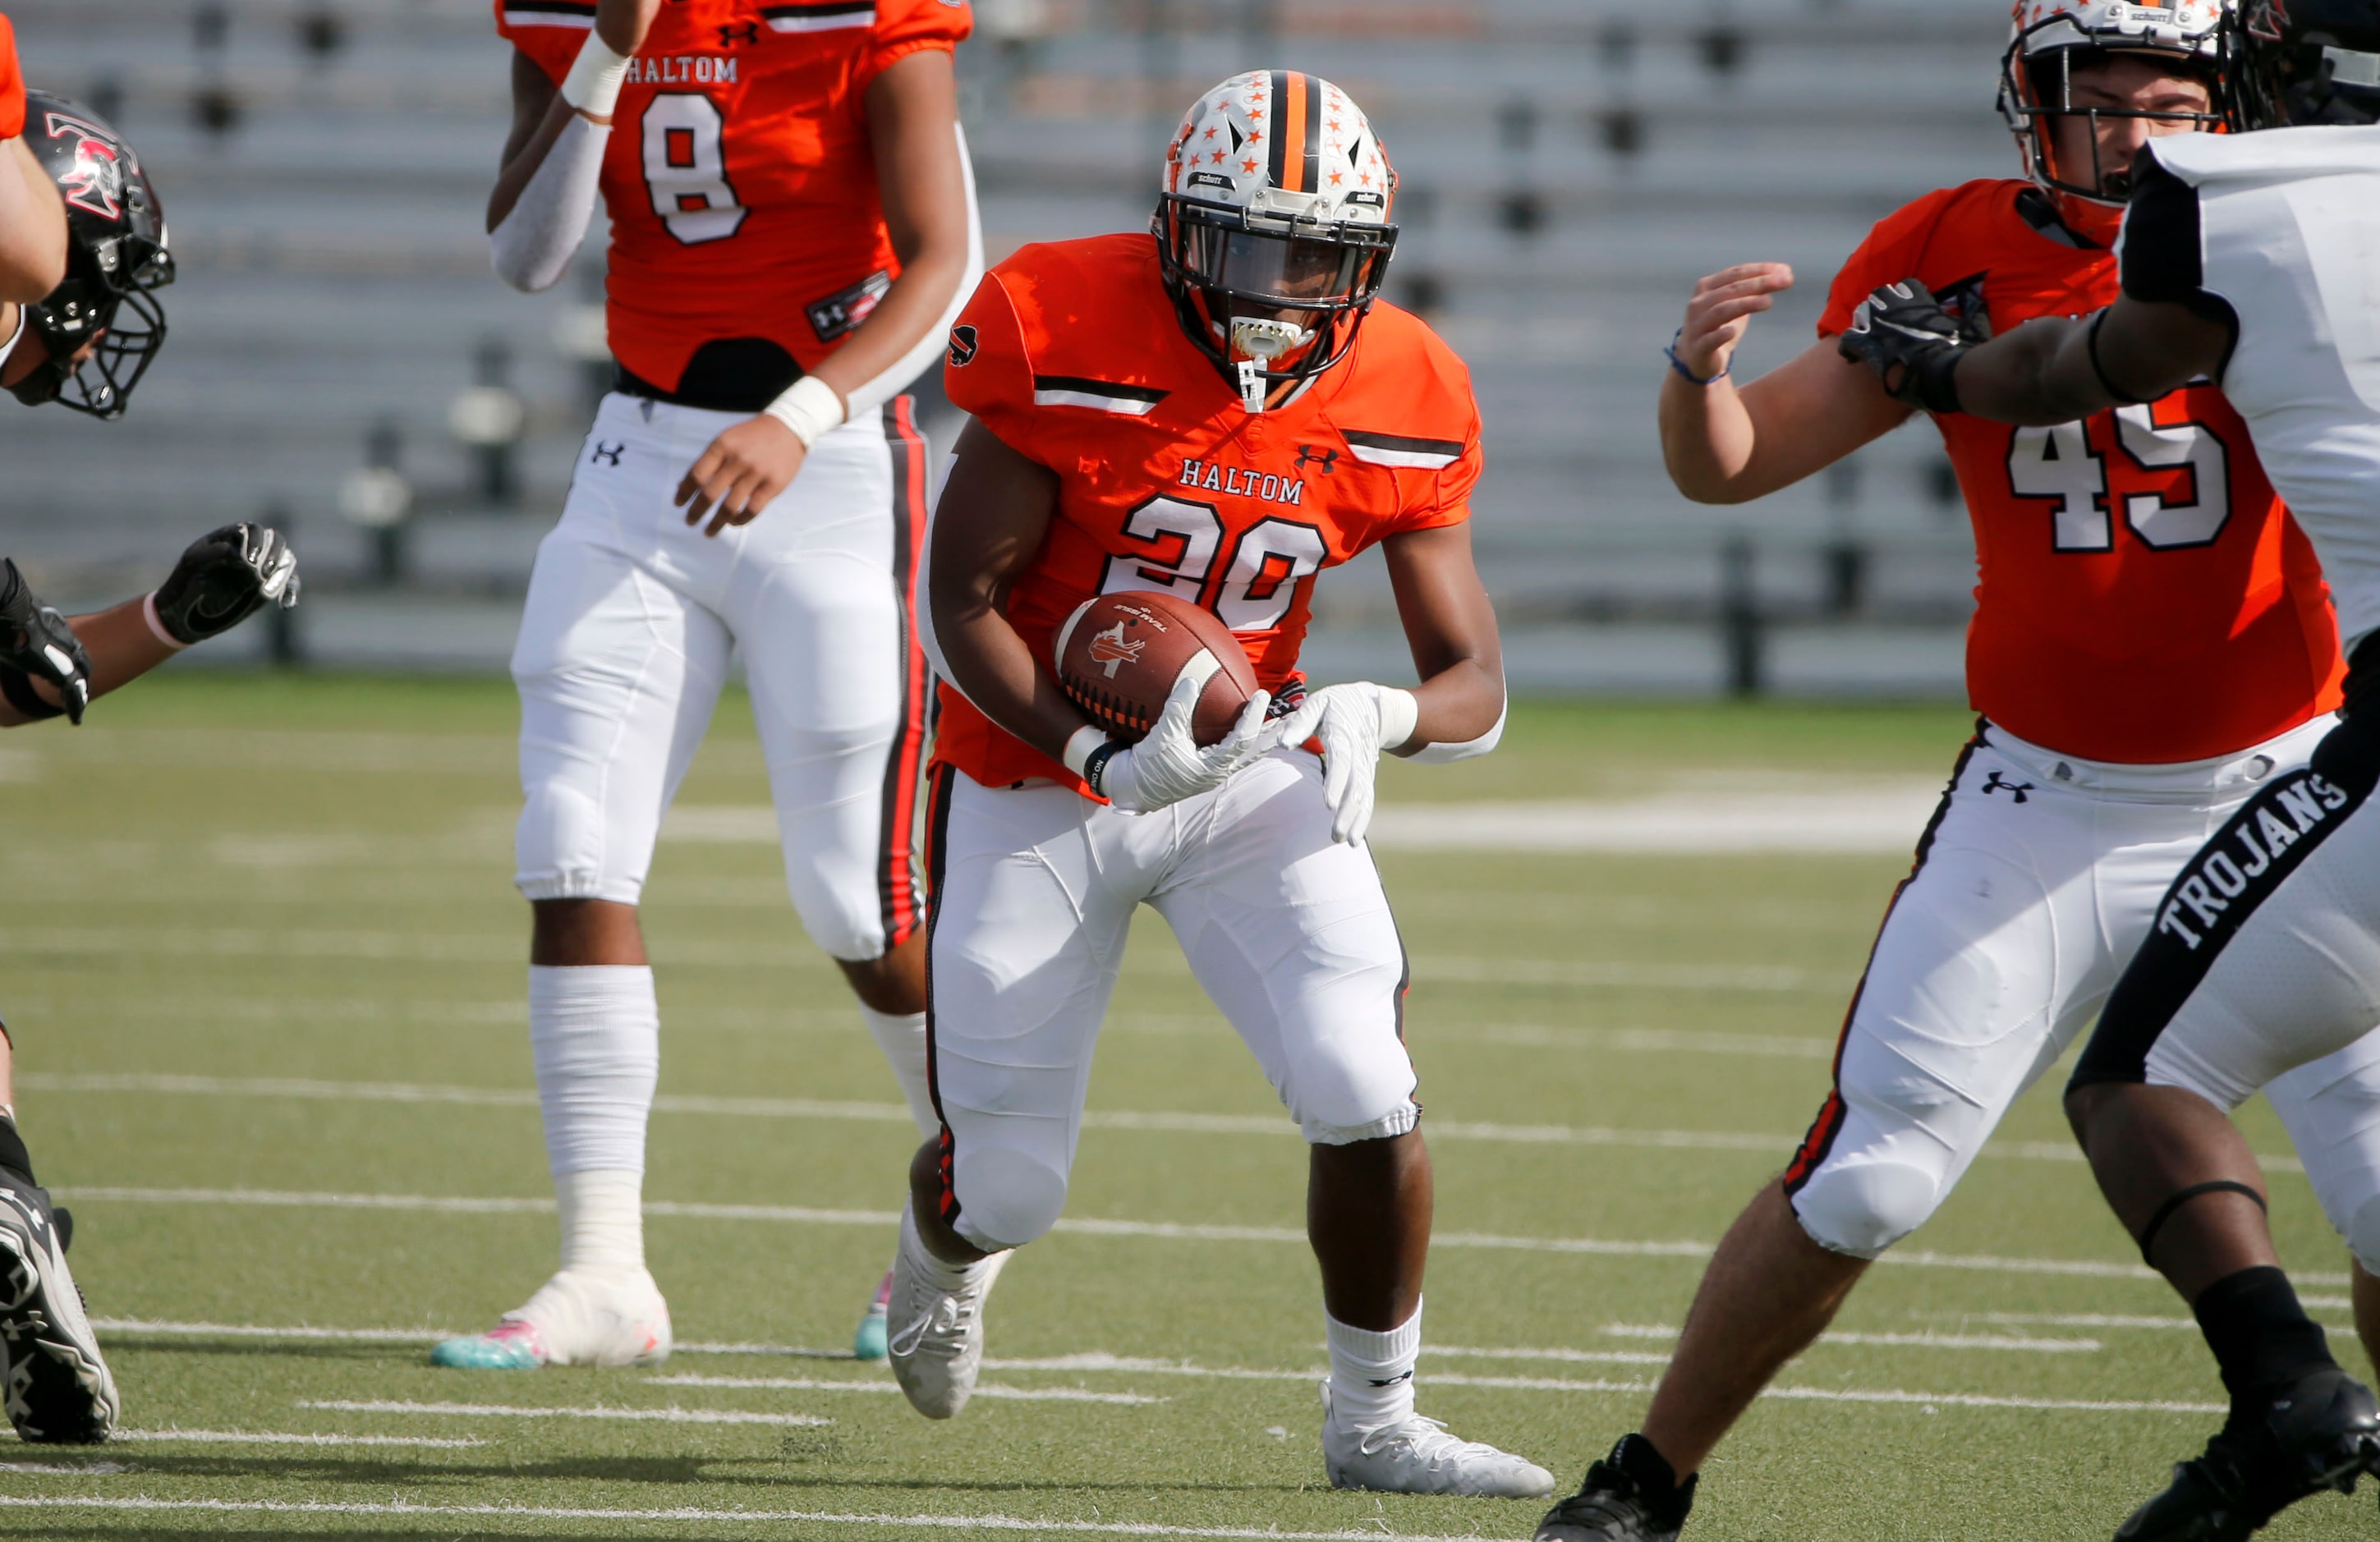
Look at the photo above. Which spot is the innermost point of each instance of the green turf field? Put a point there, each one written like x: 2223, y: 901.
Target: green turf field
x: 264, y: 972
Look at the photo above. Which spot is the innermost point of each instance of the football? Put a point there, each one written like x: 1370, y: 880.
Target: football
x: 1119, y: 654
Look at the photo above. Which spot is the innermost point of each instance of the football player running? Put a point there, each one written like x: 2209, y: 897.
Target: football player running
x: 1219, y: 413
x: 2152, y: 645
x: 2248, y: 260
x: 82, y: 238
x: 793, y: 229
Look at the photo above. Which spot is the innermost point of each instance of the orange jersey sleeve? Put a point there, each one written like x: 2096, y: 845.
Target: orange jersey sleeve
x: 12, y: 84
x: 740, y: 176
x: 1071, y: 353
x: 2141, y: 594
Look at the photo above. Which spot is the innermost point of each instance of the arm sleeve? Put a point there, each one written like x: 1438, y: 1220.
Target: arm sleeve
x: 904, y: 27
x: 1893, y: 251
x: 872, y: 393
x: 549, y: 32
x: 533, y: 245
x: 12, y: 84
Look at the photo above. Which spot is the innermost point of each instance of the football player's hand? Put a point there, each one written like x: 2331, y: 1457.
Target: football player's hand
x: 1721, y: 309
x: 745, y: 467
x: 1902, y: 332
x: 224, y: 577
x: 622, y: 24
x: 36, y: 641
x: 1355, y: 724
x: 1167, y: 765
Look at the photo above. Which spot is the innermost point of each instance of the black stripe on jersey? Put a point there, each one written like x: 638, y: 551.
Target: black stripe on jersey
x: 571, y: 8
x: 819, y: 12
x: 1453, y: 448
x: 1108, y: 389
x: 1276, y: 164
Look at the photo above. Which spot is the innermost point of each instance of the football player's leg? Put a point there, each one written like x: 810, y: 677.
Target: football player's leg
x: 58, y: 1387
x: 2284, y: 971
x: 1032, y: 902
x: 839, y: 690
x: 618, y: 673
x: 2331, y: 1110
x: 821, y: 610
x: 1989, y: 959
x: 1289, y: 932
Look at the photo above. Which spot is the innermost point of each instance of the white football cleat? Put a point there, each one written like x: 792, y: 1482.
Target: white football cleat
x: 574, y: 1319
x: 934, y: 1337
x: 1417, y: 1456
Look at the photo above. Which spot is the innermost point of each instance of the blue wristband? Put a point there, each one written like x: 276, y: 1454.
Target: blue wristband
x: 1688, y: 375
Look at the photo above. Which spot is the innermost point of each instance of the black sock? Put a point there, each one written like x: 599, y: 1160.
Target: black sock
x: 13, y: 1155
x: 1654, y: 1477
x: 2261, y: 1337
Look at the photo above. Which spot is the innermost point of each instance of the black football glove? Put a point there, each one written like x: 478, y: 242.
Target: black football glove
x: 36, y: 642
x: 224, y: 577
x: 1902, y: 332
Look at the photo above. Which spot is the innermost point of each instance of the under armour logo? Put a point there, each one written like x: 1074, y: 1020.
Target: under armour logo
x: 729, y: 36
x: 1326, y: 459
x: 608, y: 453
x: 1997, y: 784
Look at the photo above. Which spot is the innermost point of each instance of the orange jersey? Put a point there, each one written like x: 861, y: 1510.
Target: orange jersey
x: 739, y: 176
x: 1071, y: 353
x: 2142, y: 595
x: 12, y: 84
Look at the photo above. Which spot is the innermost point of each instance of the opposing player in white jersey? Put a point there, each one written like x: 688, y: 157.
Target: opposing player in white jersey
x: 793, y: 225
x: 2252, y: 260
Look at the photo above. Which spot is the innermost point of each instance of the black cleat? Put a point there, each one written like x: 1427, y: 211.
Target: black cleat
x: 2322, y: 1431
x: 58, y: 1389
x: 1615, y: 1504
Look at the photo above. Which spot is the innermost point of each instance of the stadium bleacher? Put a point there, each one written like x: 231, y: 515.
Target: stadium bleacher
x: 1569, y: 166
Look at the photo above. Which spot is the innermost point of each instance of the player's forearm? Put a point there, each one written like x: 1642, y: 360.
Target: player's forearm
x: 913, y: 314
x: 122, y: 648
x: 2038, y: 374
x: 1459, y: 705
x: 993, y: 669
x: 32, y: 227
x: 1707, y: 440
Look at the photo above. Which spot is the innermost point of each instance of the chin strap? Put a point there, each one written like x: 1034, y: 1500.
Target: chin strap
x: 1252, y: 384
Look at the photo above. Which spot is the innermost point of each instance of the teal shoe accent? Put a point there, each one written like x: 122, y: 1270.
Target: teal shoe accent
x: 482, y: 1352
x: 869, y: 1343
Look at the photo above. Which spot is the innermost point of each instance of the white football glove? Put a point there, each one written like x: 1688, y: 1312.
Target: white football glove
x: 1167, y: 765
x: 1354, y: 722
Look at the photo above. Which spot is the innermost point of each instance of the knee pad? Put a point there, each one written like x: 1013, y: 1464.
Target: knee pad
x: 2364, y: 1235
x: 1006, y: 1199
x: 559, y: 848
x: 1862, y: 1208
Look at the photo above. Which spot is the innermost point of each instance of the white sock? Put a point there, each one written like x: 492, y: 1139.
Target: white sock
x: 595, y: 1033
x: 903, y: 1039
x: 603, y: 1221
x: 945, y: 1277
x: 1372, y: 1374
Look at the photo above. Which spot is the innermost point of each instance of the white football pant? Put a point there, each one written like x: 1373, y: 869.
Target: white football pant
x: 2035, y: 885
x: 1034, y: 890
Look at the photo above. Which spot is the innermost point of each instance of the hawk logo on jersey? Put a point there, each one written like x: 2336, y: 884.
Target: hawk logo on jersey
x: 964, y: 344
x: 1109, y: 648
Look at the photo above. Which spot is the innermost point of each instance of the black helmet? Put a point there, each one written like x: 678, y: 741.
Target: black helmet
x: 2306, y: 62
x: 115, y: 262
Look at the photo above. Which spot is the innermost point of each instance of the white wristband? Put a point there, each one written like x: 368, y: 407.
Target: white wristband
x: 810, y: 406
x: 157, y: 624
x: 1400, y: 714
x: 593, y: 84
x: 1079, y: 746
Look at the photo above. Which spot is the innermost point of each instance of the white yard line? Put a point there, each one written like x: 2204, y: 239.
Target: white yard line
x: 706, y: 1516
x: 506, y: 1411
x: 826, y: 1384
x: 277, y: 1437
x: 1151, y: 1120
x: 1911, y: 1341
x: 1173, y: 1231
